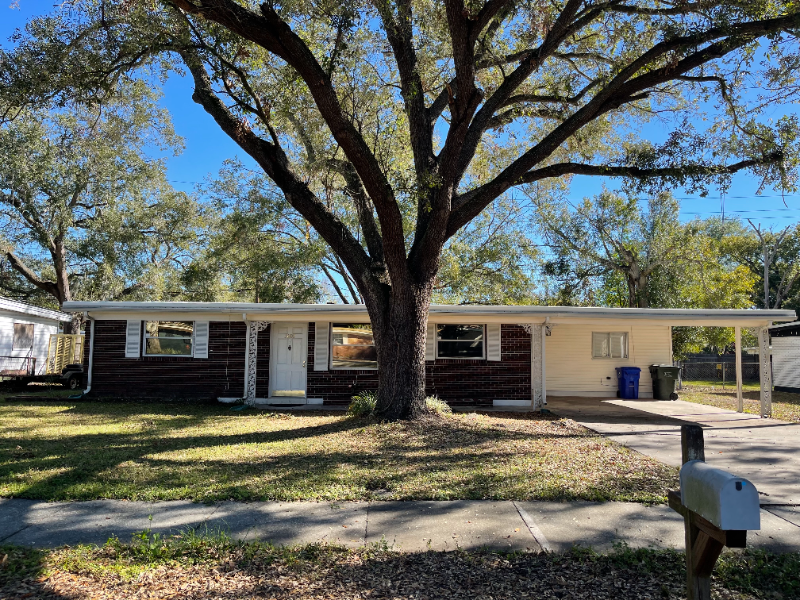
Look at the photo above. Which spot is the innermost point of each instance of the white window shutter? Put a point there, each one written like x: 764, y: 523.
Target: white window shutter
x: 321, y: 346
x: 133, y: 339
x: 493, y: 342
x: 430, y: 342
x: 201, y: 339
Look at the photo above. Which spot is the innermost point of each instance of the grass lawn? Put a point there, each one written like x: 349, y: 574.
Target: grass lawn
x: 67, y: 450
x: 785, y: 406
x: 193, y: 567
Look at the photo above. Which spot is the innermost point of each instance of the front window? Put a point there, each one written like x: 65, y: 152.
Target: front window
x: 168, y: 338
x: 353, y: 346
x: 609, y: 345
x: 459, y: 341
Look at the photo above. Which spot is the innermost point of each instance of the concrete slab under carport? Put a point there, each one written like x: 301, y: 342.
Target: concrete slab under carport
x: 449, y: 525
x: 764, y: 451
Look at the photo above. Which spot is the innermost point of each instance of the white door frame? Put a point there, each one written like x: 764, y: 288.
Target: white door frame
x: 273, y: 354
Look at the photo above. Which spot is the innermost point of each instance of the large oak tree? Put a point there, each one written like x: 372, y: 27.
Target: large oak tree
x: 419, y: 115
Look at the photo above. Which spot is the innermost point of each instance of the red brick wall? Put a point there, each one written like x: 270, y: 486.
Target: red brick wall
x: 456, y: 381
x: 482, y: 381
x: 221, y: 374
x: 336, y: 387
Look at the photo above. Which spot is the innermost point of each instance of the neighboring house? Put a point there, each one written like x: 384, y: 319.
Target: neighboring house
x: 322, y: 353
x: 786, y: 357
x: 25, y: 332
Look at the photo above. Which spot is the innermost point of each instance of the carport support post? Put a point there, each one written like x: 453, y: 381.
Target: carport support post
x: 765, y: 372
x: 739, y: 401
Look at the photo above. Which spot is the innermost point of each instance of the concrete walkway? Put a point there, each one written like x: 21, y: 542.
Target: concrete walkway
x: 765, y: 451
x: 404, y: 526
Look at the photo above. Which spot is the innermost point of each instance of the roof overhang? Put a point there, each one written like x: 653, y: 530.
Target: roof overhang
x: 246, y: 311
x: 9, y: 305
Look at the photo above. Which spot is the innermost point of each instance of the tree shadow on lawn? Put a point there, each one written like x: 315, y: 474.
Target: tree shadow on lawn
x: 446, y: 457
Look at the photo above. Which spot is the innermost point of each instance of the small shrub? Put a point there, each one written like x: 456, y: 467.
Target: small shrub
x: 435, y: 405
x: 362, y: 405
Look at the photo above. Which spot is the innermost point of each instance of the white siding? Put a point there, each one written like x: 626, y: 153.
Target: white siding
x: 786, y: 361
x: 571, y: 370
x: 42, y: 330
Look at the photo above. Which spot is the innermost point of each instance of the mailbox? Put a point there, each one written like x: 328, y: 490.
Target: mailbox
x: 727, y: 501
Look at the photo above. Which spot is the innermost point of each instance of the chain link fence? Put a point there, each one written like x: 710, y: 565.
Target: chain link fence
x: 718, y: 370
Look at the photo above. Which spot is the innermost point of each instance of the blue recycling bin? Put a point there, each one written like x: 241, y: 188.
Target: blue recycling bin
x: 628, y: 382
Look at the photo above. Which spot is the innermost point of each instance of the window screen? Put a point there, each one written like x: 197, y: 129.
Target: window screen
x: 23, y: 336
x: 168, y: 338
x: 459, y: 341
x: 613, y: 344
x: 353, y: 347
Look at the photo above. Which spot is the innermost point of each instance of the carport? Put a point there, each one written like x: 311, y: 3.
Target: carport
x: 572, y: 370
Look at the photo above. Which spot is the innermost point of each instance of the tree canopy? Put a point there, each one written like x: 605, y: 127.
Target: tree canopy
x: 418, y: 115
x: 83, y: 203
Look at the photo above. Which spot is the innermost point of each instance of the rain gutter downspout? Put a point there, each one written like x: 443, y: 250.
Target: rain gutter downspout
x: 91, y: 355
x: 545, y: 327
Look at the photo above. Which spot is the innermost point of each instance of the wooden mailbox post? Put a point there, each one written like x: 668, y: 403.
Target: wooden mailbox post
x: 730, y: 503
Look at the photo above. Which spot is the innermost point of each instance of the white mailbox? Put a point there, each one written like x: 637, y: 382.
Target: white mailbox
x: 727, y: 501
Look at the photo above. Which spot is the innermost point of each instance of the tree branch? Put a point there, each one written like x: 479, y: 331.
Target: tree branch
x: 21, y: 268
x: 275, y: 163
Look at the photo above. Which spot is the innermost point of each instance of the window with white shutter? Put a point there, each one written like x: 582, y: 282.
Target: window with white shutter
x: 201, y: 333
x: 493, y: 342
x: 133, y: 339
x: 460, y: 341
x: 430, y: 342
x: 321, y: 339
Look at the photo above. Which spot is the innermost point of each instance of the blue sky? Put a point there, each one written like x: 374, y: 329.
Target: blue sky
x: 207, y: 147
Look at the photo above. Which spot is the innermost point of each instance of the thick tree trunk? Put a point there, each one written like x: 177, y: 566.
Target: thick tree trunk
x: 399, y: 323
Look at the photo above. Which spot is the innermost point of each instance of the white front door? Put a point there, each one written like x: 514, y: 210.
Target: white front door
x: 288, y: 361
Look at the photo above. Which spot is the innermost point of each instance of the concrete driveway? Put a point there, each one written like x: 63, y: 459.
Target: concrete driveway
x: 765, y: 451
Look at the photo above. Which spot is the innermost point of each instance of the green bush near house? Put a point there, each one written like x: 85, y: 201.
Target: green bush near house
x: 362, y: 405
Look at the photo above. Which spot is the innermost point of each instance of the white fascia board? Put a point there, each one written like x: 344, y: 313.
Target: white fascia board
x: 12, y: 306
x: 438, y: 313
x: 793, y: 324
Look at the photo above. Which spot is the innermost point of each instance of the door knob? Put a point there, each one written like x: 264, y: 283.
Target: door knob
x: 304, y: 364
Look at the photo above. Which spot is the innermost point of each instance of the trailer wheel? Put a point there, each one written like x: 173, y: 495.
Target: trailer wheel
x: 73, y: 383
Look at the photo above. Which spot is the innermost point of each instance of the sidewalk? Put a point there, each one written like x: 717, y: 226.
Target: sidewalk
x: 405, y: 526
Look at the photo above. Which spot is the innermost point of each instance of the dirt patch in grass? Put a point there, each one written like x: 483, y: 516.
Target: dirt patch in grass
x: 91, y: 450
x: 155, y: 568
x: 785, y: 406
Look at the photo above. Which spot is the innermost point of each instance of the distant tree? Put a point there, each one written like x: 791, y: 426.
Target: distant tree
x: 428, y: 112
x: 780, y: 263
x: 493, y: 260
x: 613, y: 235
x: 82, y: 204
x: 259, y: 249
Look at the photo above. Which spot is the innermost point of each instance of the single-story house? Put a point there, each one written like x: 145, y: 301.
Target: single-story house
x: 786, y: 357
x: 25, y: 332
x: 324, y: 353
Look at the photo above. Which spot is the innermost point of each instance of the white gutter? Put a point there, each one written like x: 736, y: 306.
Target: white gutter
x: 312, y: 311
